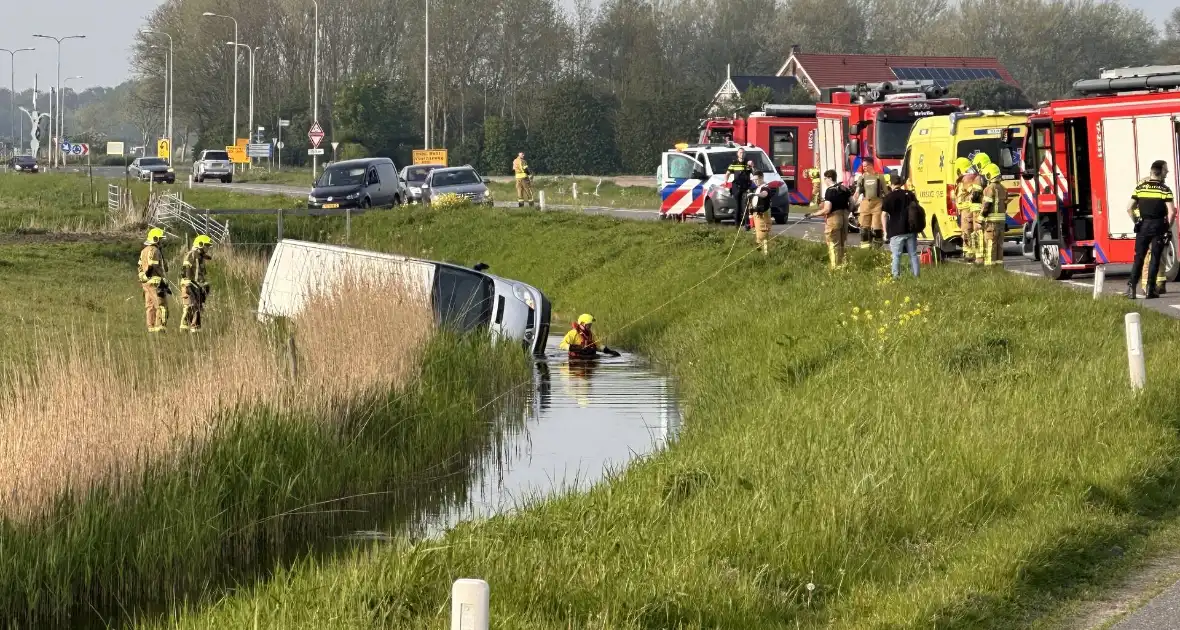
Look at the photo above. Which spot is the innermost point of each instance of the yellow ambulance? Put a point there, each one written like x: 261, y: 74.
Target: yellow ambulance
x: 929, y: 166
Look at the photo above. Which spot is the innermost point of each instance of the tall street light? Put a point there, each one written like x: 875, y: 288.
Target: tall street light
x: 167, y: 101
x: 426, y: 108
x: 233, y: 139
x: 65, y: 82
x: 315, y: 99
x: 56, y: 146
x: 169, y: 85
x: 250, y: 107
x: 19, y: 140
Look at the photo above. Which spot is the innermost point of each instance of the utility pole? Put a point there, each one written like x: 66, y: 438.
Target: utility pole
x: 233, y: 139
x: 18, y: 140
x: 55, y: 148
x: 426, y: 108
x: 169, y: 84
x: 316, y: 84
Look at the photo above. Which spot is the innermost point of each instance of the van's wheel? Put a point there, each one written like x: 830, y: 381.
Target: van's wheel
x: 710, y: 216
x: 1051, y: 263
x: 780, y: 217
x: 365, y: 203
x: 938, y: 241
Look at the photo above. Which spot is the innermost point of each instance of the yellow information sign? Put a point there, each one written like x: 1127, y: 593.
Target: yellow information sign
x: 163, y: 148
x: 237, y: 154
x: 242, y: 142
x: 430, y: 156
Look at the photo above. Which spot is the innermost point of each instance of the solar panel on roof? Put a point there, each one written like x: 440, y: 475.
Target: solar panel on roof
x: 943, y: 77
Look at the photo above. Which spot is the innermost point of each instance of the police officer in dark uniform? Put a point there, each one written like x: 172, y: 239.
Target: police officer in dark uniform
x: 1153, y: 199
x: 740, y: 173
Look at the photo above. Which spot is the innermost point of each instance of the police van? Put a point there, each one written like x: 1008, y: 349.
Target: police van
x: 465, y: 299
x: 935, y: 143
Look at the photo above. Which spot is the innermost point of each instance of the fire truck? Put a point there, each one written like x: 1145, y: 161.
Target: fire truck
x: 1083, y: 158
x: 872, y: 121
x: 785, y: 132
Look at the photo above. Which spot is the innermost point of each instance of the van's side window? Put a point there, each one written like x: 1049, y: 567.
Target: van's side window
x: 373, y: 179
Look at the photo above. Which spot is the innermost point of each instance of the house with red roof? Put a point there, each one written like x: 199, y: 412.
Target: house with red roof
x: 817, y: 72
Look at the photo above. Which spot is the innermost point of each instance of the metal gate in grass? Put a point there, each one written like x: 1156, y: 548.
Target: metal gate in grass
x: 171, y: 212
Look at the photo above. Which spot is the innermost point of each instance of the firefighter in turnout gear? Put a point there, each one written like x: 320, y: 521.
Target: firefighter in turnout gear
x: 962, y: 204
x: 1153, y: 209
x: 580, y: 341
x: 994, y: 214
x: 194, y: 285
x: 975, y: 204
x: 759, y: 209
x: 739, y: 175
x: 151, y: 276
x: 834, y: 212
x: 813, y: 174
x: 870, y: 190
x: 524, y: 181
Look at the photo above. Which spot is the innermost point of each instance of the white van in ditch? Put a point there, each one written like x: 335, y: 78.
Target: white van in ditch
x: 462, y: 298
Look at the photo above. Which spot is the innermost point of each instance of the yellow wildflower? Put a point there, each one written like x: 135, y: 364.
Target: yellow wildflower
x: 906, y: 300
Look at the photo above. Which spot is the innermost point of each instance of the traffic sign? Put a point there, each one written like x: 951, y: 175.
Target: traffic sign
x: 65, y: 146
x: 335, y: 145
x: 79, y: 149
x: 430, y: 156
x: 316, y: 135
x: 284, y: 123
x: 280, y: 144
x: 315, y: 151
x: 163, y: 148
x: 258, y: 150
x: 237, y: 154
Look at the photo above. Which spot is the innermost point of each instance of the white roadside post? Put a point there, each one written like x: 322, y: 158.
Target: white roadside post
x: 541, y: 198
x: 1099, y: 279
x: 1135, y: 360
x: 470, y: 604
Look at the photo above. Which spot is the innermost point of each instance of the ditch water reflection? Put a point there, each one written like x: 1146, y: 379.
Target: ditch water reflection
x: 580, y: 421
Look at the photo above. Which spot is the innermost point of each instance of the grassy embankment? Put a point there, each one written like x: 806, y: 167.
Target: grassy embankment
x: 559, y: 190
x: 969, y: 465
x: 142, y: 474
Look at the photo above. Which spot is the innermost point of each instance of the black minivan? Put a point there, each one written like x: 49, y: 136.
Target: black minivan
x: 363, y: 183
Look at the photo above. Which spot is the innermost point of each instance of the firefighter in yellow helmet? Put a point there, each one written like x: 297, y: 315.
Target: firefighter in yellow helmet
x: 524, y: 181
x: 975, y: 204
x: 995, y: 216
x: 151, y: 276
x: 963, y: 177
x: 580, y: 341
x: 870, y: 190
x: 813, y: 174
x: 194, y: 284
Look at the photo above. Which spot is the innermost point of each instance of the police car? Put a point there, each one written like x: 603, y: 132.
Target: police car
x: 692, y: 182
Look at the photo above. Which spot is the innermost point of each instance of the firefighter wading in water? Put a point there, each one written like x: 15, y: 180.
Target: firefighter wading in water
x: 151, y: 276
x: 524, y: 181
x: 194, y: 286
x: 580, y: 341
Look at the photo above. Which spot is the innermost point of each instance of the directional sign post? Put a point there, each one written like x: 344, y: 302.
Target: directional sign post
x: 316, y: 135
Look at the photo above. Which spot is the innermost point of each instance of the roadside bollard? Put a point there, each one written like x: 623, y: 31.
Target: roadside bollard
x: 470, y: 601
x: 574, y: 189
x: 541, y: 198
x: 1135, y: 360
x: 1099, y: 279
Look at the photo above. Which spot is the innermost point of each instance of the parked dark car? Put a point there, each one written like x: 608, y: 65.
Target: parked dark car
x: 414, y: 176
x: 364, y: 183
x: 24, y: 164
x: 152, y: 169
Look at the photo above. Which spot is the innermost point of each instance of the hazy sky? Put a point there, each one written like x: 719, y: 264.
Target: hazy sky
x: 110, y: 25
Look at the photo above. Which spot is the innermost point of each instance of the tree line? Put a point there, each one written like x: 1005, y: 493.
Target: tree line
x: 590, y: 89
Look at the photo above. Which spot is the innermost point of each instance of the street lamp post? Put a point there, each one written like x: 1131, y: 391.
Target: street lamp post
x: 167, y: 101
x: 62, y: 129
x: 57, y: 141
x: 169, y: 84
x: 250, y: 115
x: 426, y: 108
x: 233, y: 137
x: 315, y: 99
x: 19, y: 140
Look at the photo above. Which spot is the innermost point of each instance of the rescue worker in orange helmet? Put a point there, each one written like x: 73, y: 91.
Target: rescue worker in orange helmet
x: 194, y: 285
x: 870, y: 190
x: 524, y: 181
x: 151, y: 277
x: 580, y: 341
x: 963, y: 181
x: 994, y: 213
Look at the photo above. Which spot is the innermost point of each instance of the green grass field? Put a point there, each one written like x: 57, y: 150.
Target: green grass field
x: 848, y: 462
x: 559, y: 190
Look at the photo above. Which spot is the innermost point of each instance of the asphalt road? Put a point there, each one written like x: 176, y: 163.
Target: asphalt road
x: 1161, y: 613
x: 811, y: 229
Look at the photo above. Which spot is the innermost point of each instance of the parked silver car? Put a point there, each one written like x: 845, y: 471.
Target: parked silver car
x: 213, y: 164
x: 457, y: 180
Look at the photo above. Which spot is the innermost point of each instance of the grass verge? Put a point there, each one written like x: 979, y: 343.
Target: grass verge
x: 591, y: 192
x: 971, y: 465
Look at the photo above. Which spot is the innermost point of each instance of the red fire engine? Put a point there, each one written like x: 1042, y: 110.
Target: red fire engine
x: 1083, y: 158
x: 785, y: 132
x: 872, y: 122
